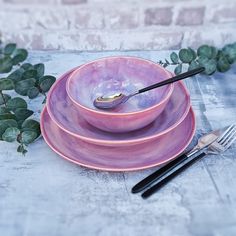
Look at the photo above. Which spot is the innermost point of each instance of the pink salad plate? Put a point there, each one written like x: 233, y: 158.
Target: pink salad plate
x: 66, y: 115
x: 127, y: 158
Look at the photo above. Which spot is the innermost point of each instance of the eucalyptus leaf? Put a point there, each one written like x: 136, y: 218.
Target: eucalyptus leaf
x: 10, y: 134
x: 32, y: 73
x: 6, y: 98
x: 5, y: 64
x: 178, y: 69
x: 46, y: 84
x: 185, y: 55
x: 193, y: 65
x: 174, y: 57
x: 223, y: 64
x: 9, y: 48
x: 4, y: 110
x: 205, y: 51
x: 28, y: 136
x: 230, y: 53
x: 194, y: 54
x: 4, y: 124
x: 210, y: 67
x: 16, y: 75
x: 7, y: 116
x: 15, y: 103
x: 6, y: 84
x: 23, y: 86
x: 23, y: 113
x: 27, y: 66
x: 19, y: 55
x: 31, y: 125
x: 40, y: 69
x: 214, y: 52
x: 33, y: 92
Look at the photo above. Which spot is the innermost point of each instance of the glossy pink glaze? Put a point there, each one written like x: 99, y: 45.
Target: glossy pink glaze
x: 66, y: 115
x: 113, y: 75
x: 129, y: 158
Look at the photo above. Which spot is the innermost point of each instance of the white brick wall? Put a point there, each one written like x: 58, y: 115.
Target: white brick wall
x: 117, y: 24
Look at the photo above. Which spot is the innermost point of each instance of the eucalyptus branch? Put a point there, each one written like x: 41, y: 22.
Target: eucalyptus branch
x: 26, y: 80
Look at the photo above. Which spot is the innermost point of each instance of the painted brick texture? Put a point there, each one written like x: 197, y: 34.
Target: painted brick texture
x: 117, y: 25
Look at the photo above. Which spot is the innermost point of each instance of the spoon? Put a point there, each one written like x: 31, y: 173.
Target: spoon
x: 115, y: 100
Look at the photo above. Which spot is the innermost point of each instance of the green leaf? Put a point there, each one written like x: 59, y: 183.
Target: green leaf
x: 202, y: 60
x: 31, y: 125
x: 194, y: 54
x: 16, y: 75
x: 210, y: 67
x: 9, y: 48
x: 6, y: 84
x: 4, y: 124
x: 178, y: 69
x: 5, y: 65
x: 7, y: 116
x: 6, y: 98
x: 28, y: 137
x: 40, y: 70
x: 10, y: 134
x: 33, y: 92
x: 205, y: 51
x: 4, y: 110
x: 29, y: 74
x: 214, y: 52
x: 27, y: 66
x: 185, y: 55
x: 193, y: 65
x: 223, y: 64
x: 23, y: 113
x: 23, y: 86
x: 174, y: 57
x: 19, y: 55
x: 230, y: 53
x: 46, y: 84
x: 15, y: 103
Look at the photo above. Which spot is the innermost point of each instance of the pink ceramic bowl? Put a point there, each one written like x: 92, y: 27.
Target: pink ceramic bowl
x: 111, y: 75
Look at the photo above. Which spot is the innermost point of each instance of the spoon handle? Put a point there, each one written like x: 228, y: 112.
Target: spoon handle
x: 173, y: 79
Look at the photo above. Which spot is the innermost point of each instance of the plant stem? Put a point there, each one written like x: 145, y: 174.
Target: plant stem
x: 3, y: 98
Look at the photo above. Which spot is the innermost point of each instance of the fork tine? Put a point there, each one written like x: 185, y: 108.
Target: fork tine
x: 230, y: 142
x: 228, y: 136
x: 225, y: 134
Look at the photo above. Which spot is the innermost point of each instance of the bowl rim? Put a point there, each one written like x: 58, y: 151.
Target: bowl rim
x: 165, y: 99
x: 115, y: 142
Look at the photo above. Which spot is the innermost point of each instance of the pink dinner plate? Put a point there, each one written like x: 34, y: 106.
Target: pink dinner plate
x: 126, y: 158
x: 65, y: 114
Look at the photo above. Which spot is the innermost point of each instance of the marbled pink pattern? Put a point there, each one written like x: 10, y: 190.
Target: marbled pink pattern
x: 113, y: 75
x: 146, y: 155
x: 66, y: 115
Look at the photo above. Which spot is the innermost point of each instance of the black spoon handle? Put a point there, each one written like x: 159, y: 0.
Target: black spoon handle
x: 174, y: 79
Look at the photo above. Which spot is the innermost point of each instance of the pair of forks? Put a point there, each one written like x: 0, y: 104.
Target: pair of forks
x: 220, y: 145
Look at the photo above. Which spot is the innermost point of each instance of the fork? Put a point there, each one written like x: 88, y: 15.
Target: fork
x: 219, y: 146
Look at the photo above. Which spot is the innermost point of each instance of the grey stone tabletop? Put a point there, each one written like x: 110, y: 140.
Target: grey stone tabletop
x: 42, y: 194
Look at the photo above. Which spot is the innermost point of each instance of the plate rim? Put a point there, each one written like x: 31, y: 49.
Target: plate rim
x: 115, y: 142
x: 193, y: 117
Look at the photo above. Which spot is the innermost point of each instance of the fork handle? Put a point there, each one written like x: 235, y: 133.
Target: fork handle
x: 159, y: 173
x: 177, y: 171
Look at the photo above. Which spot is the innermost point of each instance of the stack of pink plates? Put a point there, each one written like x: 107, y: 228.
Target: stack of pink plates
x: 70, y: 136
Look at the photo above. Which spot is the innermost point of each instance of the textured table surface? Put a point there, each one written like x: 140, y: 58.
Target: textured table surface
x: 42, y: 194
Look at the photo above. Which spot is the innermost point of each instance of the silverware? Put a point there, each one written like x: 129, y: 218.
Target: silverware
x: 220, y: 145
x: 203, y: 142
x: 113, y: 101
